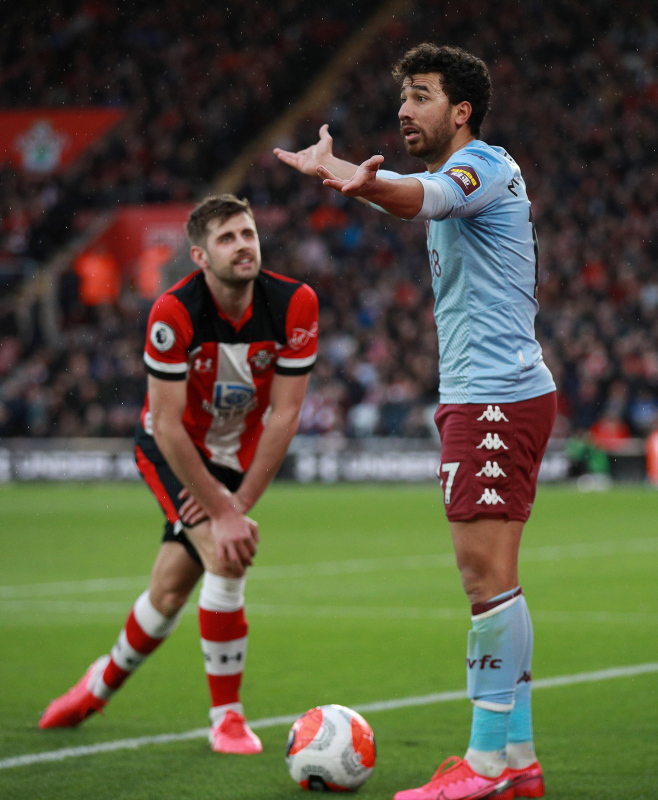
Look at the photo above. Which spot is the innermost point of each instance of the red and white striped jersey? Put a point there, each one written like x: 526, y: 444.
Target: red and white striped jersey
x: 229, y: 366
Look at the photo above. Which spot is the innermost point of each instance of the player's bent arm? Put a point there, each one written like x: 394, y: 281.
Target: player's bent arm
x: 401, y: 197
x: 286, y: 397
x: 235, y: 535
x: 167, y: 402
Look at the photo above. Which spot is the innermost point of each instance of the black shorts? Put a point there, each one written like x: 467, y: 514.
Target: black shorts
x: 165, y: 485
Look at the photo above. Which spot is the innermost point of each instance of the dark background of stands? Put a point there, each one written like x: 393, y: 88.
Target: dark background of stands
x: 575, y: 103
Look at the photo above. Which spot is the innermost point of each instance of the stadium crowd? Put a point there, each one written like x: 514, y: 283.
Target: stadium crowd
x: 575, y: 103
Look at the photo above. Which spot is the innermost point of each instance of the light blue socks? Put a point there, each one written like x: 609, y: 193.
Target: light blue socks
x: 498, y: 680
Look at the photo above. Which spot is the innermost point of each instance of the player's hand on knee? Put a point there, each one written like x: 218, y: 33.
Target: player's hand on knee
x: 236, y: 537
x: 191, y: 513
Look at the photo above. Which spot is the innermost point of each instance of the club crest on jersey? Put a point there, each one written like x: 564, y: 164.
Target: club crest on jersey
x: 300, y: 337
x: 232, y: 396
x: 262, y: 360
x: 465, y: 177
x: 162, y: 336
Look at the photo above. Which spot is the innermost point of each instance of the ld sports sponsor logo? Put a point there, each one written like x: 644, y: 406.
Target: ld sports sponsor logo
x: 465, y: 177
x: 232, y: 396
x: 300, y: 337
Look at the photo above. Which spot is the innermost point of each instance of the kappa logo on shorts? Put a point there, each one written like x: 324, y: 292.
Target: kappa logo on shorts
x: 493, y: 415
x: 465, y: 177
x: 490, y: 497
x: 492, y: 442
x: 490, y: 470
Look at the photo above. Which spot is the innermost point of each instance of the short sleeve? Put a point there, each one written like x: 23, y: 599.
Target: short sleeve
x: 299, y: 353
x: 168, y: 334
x: 474, y: 181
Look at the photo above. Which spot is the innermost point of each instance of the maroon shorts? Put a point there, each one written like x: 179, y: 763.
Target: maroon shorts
x: 491, y: 454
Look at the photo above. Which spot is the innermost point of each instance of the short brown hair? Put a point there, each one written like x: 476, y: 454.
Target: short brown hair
x: 463, y: 77
x: 221, y: 207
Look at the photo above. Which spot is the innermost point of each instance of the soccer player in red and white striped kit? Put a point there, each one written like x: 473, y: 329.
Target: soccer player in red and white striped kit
x: 228, y: 353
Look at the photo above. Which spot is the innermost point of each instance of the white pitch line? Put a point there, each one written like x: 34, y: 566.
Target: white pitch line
x: 349, y: 566
x: 75, y: 610
x: 288, y: 719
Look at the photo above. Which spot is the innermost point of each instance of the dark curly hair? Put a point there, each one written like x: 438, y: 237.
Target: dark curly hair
x: 463, y: 77
x: 221, y: 207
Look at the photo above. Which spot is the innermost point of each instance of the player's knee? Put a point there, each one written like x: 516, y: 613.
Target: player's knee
x: 474, y: 584
x: 475, y: 573
x: 169, y: 600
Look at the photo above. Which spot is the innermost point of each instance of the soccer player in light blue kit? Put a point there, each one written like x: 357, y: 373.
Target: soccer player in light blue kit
x: 497, y: 397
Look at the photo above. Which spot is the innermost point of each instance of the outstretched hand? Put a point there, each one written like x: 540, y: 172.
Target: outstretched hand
x: 308, y: 160
x: 360, y: 184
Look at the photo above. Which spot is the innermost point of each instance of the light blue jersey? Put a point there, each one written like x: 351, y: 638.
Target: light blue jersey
x: 483, y: 256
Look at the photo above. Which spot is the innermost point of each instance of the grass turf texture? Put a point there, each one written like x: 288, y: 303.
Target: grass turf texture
x: 355, y: 599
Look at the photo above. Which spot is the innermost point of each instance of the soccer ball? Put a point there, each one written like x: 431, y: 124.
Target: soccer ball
x: 330, y: 748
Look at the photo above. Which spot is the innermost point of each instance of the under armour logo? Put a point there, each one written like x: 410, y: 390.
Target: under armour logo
x: 225, y: 659
x: 525, y: 678
x: 203, y: 364
x: 493, y: 415
x: 490, y: 497
x: 490, y: 470
x: 492, y: 442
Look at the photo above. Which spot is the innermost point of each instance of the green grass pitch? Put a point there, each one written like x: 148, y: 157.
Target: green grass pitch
x: 354, y: 599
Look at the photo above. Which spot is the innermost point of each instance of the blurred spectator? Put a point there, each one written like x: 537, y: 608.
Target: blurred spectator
x: 609, y: 431
x: 590, y: 69
x: 652, y: 457
x: 99, y: 277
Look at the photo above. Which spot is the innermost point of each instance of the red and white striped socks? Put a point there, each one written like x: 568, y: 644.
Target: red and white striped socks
x: 145, y: 629
x: 224, y: 641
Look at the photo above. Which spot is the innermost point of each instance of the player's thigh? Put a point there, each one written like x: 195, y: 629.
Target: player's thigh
x: 173, y: 577
x: 166, y: 487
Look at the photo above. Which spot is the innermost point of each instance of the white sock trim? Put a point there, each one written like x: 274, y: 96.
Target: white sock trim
x: 221, y: 594
x: 150, y: 620
x: 521, y: 755
x: 497, y: 609
x: 224, y: 658
x: 489, y: 763
x: 487, y: 706
x: 95, y: 684
x: 217, y: 713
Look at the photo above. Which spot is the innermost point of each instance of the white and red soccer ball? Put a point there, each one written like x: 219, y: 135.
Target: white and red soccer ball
x: 330, y: 748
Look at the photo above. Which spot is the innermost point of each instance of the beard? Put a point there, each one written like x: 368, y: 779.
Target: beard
x: 230, y: 276
x: 431, y: 147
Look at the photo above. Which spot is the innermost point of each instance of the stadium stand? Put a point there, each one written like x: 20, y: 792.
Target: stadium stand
x: 576, y: 104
